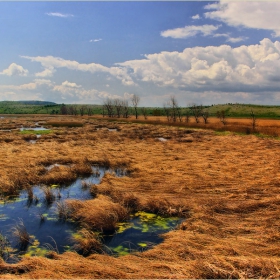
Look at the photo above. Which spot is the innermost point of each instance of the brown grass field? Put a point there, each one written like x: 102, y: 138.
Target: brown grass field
x: 227, y: 186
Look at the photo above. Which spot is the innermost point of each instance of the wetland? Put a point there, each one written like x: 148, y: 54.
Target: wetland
x: 102, y: 199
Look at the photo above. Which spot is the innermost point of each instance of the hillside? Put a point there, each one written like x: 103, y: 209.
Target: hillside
x: 46, y: 107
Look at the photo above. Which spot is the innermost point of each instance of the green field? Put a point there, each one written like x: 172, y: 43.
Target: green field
x: 43, y: 107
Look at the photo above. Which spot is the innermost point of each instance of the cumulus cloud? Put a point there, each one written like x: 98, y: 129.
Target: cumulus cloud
x: 51, y: 63
x: 28, y: 86
x: 15, y: 70
x: 246, y: 68
x: 59, y: 15
x: 48, y: 72
x: 196, y: 17
x: 69, y: 90
x: 189, y: 31
x: 257, y: 14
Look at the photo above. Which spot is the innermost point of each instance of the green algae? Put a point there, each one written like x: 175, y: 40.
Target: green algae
x: 123, y: 226
x: 121, y: 250
x: 35, y: 250
x: 152, y: 222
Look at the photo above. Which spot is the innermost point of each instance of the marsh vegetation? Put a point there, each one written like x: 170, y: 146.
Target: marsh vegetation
x: 217, y: 192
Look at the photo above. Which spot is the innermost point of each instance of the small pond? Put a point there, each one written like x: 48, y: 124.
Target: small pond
x: 47, y: 231
x: 33, y: 128
x: 140, y: 233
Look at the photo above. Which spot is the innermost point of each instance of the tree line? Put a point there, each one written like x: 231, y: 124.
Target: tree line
x: 125, y: 108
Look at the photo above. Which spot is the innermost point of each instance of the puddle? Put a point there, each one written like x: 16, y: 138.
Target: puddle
x: 40, y: 216
x: 141, y: 233
x: 33, y: 128
x: 162, y: 139
x: 47, y: 232
x: 112, y: 129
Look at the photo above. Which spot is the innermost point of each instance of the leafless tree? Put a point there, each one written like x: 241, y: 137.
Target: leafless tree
x: 125, y: 111
x: 187, y: 115
x: 167, y: 111
x: 172, y: 110
x: 175, y: 109
x: 89, y: 110
x: 109, y: 107
x: 196, y: 111
x: 63, y: 109
x: 118, y: 104
x: 253, y: 118
x: 222, y: 116
x: 135, y: 100
x: 144, y: 112
x: 82, y: 110
x: 205, y: 116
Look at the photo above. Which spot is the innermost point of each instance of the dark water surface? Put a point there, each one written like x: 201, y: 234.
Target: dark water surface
x: 47, y: 231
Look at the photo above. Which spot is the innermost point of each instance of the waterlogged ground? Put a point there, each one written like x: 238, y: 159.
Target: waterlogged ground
x: 48, y: 232
x: 140, y: 233
x: 40, y: 217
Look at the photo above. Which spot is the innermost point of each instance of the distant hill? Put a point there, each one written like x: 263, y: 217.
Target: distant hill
x: 36, y: 102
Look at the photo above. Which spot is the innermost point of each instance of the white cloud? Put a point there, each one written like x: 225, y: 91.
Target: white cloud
x: 95, y: 40
x: 189, y: 31
x: 59, y: 15
x: 249, y: 68
x: 48, y: 72
x: 196, y: 17
x: 249, y: 14
x: 28, y: 86
x: 51, y: 63
x: 15, y: 70
x: 231, y: 39
x: 236, y: 39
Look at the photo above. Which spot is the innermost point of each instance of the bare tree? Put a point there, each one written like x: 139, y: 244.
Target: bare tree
x: 222, y: 116
x: 196, y: 111
x: 253, y: 118
x: 167, y: 110
x: 82, y: 110
x: 89, y: 110
x: 175, y: 109
x: 118, y: 106
x: 63, y: 109
x: 125, y: 111
x: 109, y: 107
x: 135, y: 100
x: 205, y: 116
x: 144, y: 112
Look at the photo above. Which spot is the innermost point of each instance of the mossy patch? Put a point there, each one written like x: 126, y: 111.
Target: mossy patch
x: 35, y: 250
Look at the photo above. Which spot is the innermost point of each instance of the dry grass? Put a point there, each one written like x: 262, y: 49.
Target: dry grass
x: 87, y: 242
x: 227, y: 186
x: 21, y: 234
x: 100, y: 214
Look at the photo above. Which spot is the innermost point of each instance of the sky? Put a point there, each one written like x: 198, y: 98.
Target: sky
x: 203, y: 52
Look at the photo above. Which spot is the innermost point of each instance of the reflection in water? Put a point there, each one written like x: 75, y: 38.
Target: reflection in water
x: 39, y: 214
x: 47, y: 232
x: 140, y: 233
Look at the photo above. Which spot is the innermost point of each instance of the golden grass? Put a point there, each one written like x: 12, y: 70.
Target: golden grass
x: 99, y: 214
x: 226, y: 185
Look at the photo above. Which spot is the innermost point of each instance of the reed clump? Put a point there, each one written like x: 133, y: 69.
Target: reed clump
x: 87, y: 242
x: 19, y: 231
x: 59, y: 175
x: 100, y: 214
x: 49, y: 195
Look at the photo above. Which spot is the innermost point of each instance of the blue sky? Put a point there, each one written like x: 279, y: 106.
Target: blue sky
x: 205, y: 52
